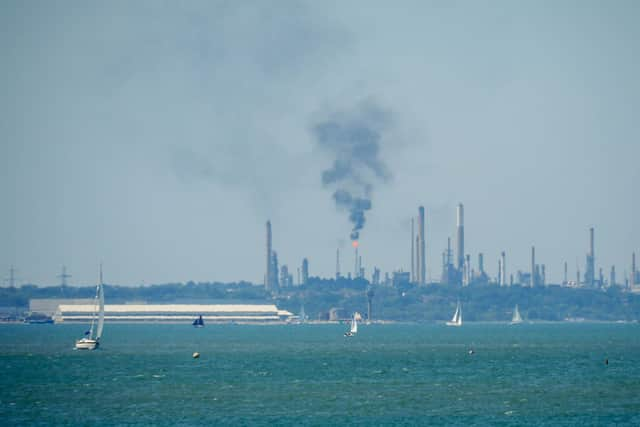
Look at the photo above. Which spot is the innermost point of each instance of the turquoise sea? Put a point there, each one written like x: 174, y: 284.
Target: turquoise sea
x: 394, y: 374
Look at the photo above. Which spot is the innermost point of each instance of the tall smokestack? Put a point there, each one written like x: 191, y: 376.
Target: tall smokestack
x: 421, y: 266
x: 418, y: 259
x: 566, y: 278
x: 268, y: 275
x: 503, y: 277
x: 413, y: 270
x: 337, y: 263
x: 590, y: 270
x: 481, y: 263
x: 460, y: 238
x: 357, y: 269
x: 633, y: 270
x: 305, y: 272
x: 533, y: 266
x: 612, y: 276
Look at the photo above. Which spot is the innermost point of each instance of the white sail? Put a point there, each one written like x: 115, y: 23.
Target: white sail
x: 354, y: 325
x: 456, y: 314
x: 516, y: 316
x: 93, y: 315
x: 100, y: 312
x: 456, y: 320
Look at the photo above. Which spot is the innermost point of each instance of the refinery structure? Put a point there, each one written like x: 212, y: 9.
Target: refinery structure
x: 457, y: 267
x: 458, y: 270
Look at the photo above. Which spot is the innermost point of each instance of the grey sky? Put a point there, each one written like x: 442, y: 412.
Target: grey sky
x: 158, y: 137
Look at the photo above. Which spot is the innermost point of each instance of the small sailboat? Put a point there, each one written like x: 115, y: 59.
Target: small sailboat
x: 456, y: 320
x: 354, y: 328
x: 516, y: 316
x: 198, y: 323
x: 89, y: 342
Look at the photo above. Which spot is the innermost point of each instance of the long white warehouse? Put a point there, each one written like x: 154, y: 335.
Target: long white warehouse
x: 173, y: 313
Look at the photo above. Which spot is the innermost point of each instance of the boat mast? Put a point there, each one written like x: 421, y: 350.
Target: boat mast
x: 100, y: 306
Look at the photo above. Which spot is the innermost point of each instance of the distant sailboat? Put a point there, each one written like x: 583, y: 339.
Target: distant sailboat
x: 198, y: 323
x: 89, y: 342
x: 516, y: 316
x: 456, y: 320
x: 354, y: 328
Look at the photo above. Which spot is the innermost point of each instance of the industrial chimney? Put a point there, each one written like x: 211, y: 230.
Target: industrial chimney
x: 533, y: 266
x: 421, y: 264
x: 460, y: 238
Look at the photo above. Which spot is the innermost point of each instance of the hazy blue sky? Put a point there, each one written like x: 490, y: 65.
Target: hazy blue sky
x: 158, y: 137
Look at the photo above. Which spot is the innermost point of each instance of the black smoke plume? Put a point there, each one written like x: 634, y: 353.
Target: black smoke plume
x: 353, y: 139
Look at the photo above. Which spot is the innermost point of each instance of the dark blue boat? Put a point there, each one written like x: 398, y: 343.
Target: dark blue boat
x: 198, y: 323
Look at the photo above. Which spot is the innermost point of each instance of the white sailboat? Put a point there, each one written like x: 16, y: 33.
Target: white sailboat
x: 456, y: 320
x: 89, y: 342
x: 516, y: 316
x: 354, y: 328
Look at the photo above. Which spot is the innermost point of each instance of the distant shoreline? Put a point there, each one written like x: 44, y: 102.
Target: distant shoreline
x: 335, y: 322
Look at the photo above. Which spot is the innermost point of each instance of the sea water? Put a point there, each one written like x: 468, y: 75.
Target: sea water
x: 392, y: 374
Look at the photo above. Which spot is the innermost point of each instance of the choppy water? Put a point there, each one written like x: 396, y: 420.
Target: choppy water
x: 546, y: 374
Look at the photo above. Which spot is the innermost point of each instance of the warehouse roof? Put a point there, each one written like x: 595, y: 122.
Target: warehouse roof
x: 176, y: 308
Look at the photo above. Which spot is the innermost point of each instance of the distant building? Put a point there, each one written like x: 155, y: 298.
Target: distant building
x: 49, y: 306
x: 173, y: 313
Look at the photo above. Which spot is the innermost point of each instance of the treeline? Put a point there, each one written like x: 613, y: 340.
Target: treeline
x: 404, y: 303
x: 164, y: 293
x: 480, y: 303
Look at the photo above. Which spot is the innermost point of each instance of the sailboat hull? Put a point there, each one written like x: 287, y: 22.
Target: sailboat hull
x: 87, y: 344
x: 454, y: 324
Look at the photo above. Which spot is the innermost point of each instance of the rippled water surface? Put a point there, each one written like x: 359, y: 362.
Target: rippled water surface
x: 530, y: 374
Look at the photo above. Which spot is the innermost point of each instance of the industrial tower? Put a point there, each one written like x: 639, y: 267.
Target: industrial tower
x: 590, y: 269
x: 422, y: 269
